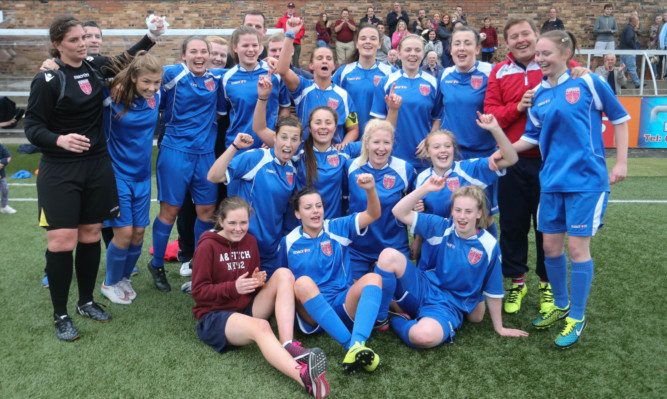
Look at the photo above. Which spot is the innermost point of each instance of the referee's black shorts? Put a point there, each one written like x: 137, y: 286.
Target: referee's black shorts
x: 71, y: 193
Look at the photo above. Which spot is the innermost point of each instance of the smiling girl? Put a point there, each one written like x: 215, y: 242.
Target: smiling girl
x: 465, y: 268
x: 266, y: 176
x: 234, y: 299
x: 422, y: 106
x: 566, y: 122
x: 361, y: 69
x: 187, y: 149
x: 129, y: 124
x: 238, y: 89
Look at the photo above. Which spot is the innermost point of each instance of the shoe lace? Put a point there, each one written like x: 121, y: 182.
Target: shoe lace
x: 569, y: 327
x: 514, y: 294
x: 546, y: 295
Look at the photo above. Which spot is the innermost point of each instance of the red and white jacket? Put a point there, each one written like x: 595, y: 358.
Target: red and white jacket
x: 506, y: 86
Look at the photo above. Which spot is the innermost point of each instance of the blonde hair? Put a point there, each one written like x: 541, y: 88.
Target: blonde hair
x: 371, y: 127
x: 411, y: 36
x: 478, y: 195
x: 227, y: 205
x: 430, y: 136
x: 217, y: 39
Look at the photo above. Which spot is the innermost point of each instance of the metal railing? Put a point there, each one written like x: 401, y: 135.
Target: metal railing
x: 645, y: 59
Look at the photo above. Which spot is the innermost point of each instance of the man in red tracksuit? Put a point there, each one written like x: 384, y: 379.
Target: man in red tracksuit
x: 509, y: 93
x: 282, y: 24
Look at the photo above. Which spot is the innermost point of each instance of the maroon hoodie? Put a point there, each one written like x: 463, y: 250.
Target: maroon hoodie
x: 217, y: 264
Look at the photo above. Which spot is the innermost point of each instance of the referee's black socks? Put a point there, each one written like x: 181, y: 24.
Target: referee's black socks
x: 87, y: 263
x: 59, y: 272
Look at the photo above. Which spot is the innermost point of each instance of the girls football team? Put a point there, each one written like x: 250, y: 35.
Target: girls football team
x: 337, y: 255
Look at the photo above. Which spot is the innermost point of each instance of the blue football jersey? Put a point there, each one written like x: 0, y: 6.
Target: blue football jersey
x: 190, y: 106
x: 566, y: 122
x: 267, y: 186
x: 462, y: 269
x: 238, y: 96
x: 323, y: 258
x: 463, y: 95
x: 421, y: 106
x: 130, y: 138
x: 356, y: 80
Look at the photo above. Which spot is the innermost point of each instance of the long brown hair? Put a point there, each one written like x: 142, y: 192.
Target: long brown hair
x: 59, y: 28
x: 141, y: 63
x: 309, y: 153
x: 227, y: 205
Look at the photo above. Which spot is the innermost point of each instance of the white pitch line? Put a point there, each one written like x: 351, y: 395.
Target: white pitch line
x: 610, y: 201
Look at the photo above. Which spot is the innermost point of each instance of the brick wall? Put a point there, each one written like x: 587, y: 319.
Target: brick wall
x: 21, y: 56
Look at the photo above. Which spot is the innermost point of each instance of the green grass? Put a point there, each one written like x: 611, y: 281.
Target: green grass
x: 151, y: 349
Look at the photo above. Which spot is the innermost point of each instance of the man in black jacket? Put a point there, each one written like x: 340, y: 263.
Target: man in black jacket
x: 628, y: 41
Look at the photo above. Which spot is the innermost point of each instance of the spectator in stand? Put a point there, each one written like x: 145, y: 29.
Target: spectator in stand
x: 628, y: 41
x: 401, y: 32
x: 323, y: 28
x: 5, y: 158
x: 417, y: 24
x: 383, y: 52
x: 614, y: 74
x: 605, y: 28
x: 431, y: 66
x: 396, y: 15
x: 254, y: 19
x: 436, y: 21
x: 639, y: 29
x: 456, y: 19
x: 392, y: 59
x: 662, y: 43
x: 444, y: 34
x: 282, y: 24
x: 489, y: 38
x: 432, y: 44
x: 93, y: 37
x: 553, y: 23
x: 653, y: 44
x: 369, y: 18
x: 462, y: 16
x: 344, y: 29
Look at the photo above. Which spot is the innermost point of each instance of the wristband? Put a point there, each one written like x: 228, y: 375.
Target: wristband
x: 235, y: 146
x: 290, y: 34
x: 261, y: 99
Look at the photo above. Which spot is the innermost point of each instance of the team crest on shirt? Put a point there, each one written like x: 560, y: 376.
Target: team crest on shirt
x: 376, y: 80
x: 389, y: 181
x: 425, y: 90
x: 572, y: 95
x: 210, y: 84
x: 333, y: 160
x: 85, y: 86
x: 476, y: 82
x: 151, y: 102
x: 290, y: 178
x: 474, y: 255
x: 332, y: 103
x: 452, y: 183
x: 326, y: 247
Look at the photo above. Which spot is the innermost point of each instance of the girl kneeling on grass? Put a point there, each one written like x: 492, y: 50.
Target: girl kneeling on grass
x: 464, y: 266
x: 316, y: 252
x: 233, y: 299
x: 566, y: 122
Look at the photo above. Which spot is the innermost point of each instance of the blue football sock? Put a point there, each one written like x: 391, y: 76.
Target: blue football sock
x: 557, y: 272
x: 580, y: 285
x: 326, y: 317
x: 493, y: 229
x: 161, y: 233
x: 201, y: 227
x: 367, y: 312
x: 388, y: 288
x: 402, y: 329
x: 133, y: 253
x: 115, y: 263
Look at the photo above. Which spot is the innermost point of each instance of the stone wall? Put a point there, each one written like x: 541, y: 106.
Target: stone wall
x: 21, y: 56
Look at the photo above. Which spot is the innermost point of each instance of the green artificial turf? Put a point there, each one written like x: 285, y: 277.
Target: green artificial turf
x: 151, y: 350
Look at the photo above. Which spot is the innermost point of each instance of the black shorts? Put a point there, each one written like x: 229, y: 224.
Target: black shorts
x: 77, y: 192
x: 211, y: 327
